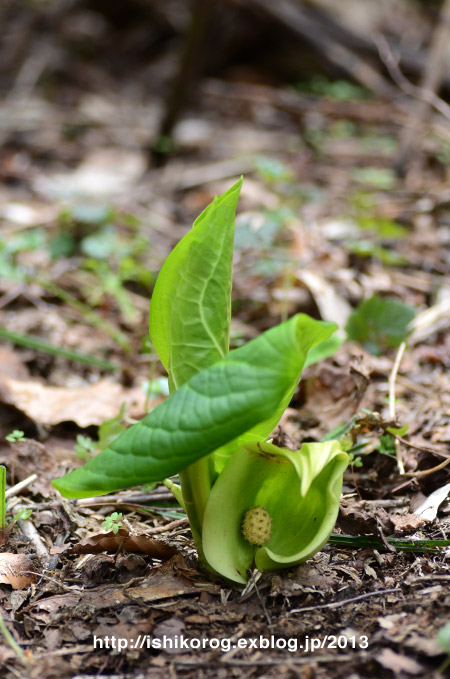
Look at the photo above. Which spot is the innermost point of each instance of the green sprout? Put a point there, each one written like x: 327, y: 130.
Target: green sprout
x: 84, y: 447
x: 113, y: 522
x: 16, y: 435
x: 2, y: 501
x: 443, y: 639
x: 213, y: 428
x: 6, y: 526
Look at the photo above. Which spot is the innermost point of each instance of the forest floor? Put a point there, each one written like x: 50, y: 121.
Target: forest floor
x: 323, y: 223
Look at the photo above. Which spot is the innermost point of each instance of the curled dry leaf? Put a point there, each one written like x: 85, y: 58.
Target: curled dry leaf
x: 424, y: 512
x: 15, y: 570
x: 122, y: 540
x: 428, y: 509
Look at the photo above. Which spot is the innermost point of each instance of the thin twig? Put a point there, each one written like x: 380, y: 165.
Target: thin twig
x: 338, y: 604
x: 168, y: 526
x: 423, y: 449
x: 424, y: 95
x: 15, y: 490
x: 425, y: 472
x: 392, y: 378
x: 29, y: 529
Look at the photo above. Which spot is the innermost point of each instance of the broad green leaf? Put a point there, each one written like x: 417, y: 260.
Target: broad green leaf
x: 300, y: 491
x: 190, y: 308
x: 380, y: 322
x: 214, y: 407
x: 311, y: 334
x: 398, y: 431
x: 323, y: 350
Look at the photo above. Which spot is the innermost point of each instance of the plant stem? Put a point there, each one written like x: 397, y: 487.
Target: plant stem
x: 374, y: 542
x: 196, y: 486
x: 13, y: 643
x: 32, y: 342
x: 88, y: 314
x: 175, y: 489
x: 2, y: 503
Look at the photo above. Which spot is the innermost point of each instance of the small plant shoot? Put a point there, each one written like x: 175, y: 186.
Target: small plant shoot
x: 249, y: 503
x: 113, y: 522
x: 16, y: 435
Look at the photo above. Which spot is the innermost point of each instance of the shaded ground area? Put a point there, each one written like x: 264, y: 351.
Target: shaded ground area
x: 323, y: 223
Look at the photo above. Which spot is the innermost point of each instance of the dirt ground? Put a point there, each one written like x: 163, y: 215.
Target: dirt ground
x: 314, y: 234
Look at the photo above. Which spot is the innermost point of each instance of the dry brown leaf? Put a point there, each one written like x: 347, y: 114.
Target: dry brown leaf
x: 332, y: 306
x: 104, y: 171
x: 11, y: 364
x: 122, y: 540
x: 399, y: 663
x: 85, y: 406
x: 407, y: 522
x: 15, y: 570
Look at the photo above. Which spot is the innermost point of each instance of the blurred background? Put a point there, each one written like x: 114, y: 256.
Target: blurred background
x: 119, y: 122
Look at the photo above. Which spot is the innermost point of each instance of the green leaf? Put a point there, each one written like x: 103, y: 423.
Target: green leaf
x: 443, y: 638
x: 299, y: 489
x: 190, y: 308
x: 324, y: 350
x: 398, y: 431
x: 248, y: 387
x: 313, y: 334
x: 379, y: 323
x: 110, y: 429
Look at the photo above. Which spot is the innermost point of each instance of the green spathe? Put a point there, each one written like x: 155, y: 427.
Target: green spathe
x: 214, y: 407
x: 300, y: 490
x: 190, y: 310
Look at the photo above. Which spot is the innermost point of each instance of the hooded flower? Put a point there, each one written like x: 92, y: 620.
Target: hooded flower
x: 272, y: 507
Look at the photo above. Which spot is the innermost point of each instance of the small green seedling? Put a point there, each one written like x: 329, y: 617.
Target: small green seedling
x: 443, y: 639
x: 212, y: 430
x: 21, y: 515
x: 2, y: 502
x: 85, y: 447
x: 113, y: 522
x: 15, y: 435
x: 380, y: 323
x: 6, y: 526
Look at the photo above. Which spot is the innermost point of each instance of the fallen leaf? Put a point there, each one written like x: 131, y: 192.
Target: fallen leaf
x: 407, y: 522
x: 428, y: 509
x: 332, y: 306
x: 118, y: 568
x: 356, y: 521
x: 172, y: 629
x: 85, y: 406
x: 122, y: 540
x: 11, y: 364
x: 15, y: 570
x: 162, y: 582
x: 104, y: 172
x: 399, y: 663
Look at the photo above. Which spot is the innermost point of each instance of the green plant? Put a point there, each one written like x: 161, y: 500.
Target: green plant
x: 2, y: 502
x: 21, y: 515
x: 443, y: 639
x: 223, y: 405
x: 340, y: 90
x: 379, y: 323
x: 39, y: 344
x: 113, y: 522
x: 84, y: 447
x: 16, y: 435
x: 6, y: 526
